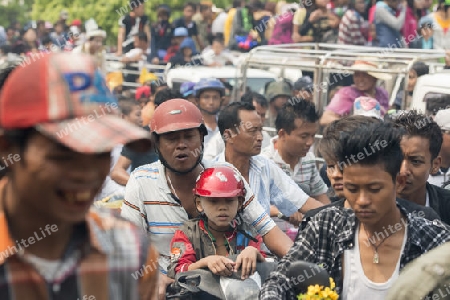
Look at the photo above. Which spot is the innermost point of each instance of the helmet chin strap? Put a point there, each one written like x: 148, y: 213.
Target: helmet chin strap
x: 166, y: 164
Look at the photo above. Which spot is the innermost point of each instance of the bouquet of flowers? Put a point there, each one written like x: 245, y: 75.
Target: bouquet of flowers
x: 316, y: 292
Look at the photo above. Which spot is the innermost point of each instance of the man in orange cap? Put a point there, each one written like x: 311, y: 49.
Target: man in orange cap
x: 60, y: 130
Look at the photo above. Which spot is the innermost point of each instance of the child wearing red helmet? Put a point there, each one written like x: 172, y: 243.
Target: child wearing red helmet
x: 205, y: 242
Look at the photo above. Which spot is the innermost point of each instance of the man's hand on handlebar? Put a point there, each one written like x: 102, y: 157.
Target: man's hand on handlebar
x: 246, y: 260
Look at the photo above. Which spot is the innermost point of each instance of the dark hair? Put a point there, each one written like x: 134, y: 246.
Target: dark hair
x: 295, y: 109
x: 167, y: 94
x: 191, y: 4
x: 378, y: 143
x: 420, y: 68
x: 204, y: 7
x: 251, y: 96
x: 126, y: 105
x: 5, y: 49
x: 46, y: 39
x: 417, y: 124
x: 142, y: 37
x: 156, y: 84
x: 331, y: 135
x: 219, y: 39
x: 237, y: 3
x: 229, y: 116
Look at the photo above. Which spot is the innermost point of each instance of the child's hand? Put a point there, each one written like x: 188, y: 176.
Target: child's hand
x: 247, y: 259
x: 220, y: 265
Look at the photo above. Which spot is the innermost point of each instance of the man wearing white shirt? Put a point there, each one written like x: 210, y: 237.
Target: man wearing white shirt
x: 241, y: 128
x: 438, y: 178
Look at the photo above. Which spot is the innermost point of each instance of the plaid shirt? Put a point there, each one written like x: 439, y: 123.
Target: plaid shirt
x: 107, y: 258
x: 330, y: 233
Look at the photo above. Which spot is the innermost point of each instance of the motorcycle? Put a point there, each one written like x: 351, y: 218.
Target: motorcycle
x: 204, y: 285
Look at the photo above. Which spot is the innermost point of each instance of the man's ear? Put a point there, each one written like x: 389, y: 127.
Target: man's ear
x: 228, y: 135
x: 400, y: 181
x: 198, y: 204
x: 281, y: 133
x: 436, y: 164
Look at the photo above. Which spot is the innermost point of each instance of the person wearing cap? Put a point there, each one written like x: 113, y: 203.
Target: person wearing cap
x: 441, y: 25
x: 365, y: 84
x: 186, y: 21
x: 158, y: 196
x: 179, y: 35
x: 438, y: 178
x: 161, y: 33
x: 185, y: 55
x: 95, y: 36
x: 209, y: 95
x: 304, y: 88
x: 130, y: 25
x: 52, y: 236
x: 278, y: 93
x: 142, y: 95
x: 187, y: 90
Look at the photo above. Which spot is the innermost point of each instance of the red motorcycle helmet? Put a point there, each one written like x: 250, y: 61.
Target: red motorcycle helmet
x: 175, y: 115
x: 220, y: 181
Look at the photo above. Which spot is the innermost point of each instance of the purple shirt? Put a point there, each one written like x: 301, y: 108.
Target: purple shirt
x: 342, y: 102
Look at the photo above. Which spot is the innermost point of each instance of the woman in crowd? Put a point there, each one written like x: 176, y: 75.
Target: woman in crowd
x: 354, y: 29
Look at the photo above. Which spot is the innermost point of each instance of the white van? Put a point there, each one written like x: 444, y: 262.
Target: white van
x: 432, y: 92
x: 256, y: 78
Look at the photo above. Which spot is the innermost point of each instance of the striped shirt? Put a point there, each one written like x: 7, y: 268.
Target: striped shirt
x: 107, y: 258
x: 305, y: 173
x: 353, y: 29
x: 272, y: 186
x: 150, y: 204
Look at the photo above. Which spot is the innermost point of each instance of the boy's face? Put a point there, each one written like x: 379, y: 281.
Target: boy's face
x: 188, y: 12
x: 335, y: 176
x: 69, y: 180
x: 412, y: 79
x: 417, y: 164
x: 135, y: 116
x: 209, y: 101
x: 298, y: 142
x: 220, y: 211
x: 370, y: 191
x: 217, y: 47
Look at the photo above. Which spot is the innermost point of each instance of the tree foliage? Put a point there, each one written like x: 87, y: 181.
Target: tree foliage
x: 105, y: 13
x: 15, y: 10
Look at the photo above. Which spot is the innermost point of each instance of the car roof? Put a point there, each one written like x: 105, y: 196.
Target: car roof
x: 196, y: 73
x: 438, y: 79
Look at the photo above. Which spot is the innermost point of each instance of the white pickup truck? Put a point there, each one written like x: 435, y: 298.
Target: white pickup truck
x: 432, y: 92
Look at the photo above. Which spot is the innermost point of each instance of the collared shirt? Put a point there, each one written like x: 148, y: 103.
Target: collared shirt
x: 305, y: 172
x: 331, y: 232
x: 210, y: 134
x: 150, y: 204
x: 272, y: 186
x: 105, y: 259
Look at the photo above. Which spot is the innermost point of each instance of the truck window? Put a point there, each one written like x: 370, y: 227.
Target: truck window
x: 435, y: 102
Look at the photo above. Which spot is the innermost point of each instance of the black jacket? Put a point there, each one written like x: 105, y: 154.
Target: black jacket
x: 439, y: 201
x: 409, y: 206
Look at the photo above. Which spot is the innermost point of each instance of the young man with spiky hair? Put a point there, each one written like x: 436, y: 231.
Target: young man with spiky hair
x: 374, y: 239
x: 421, y: 143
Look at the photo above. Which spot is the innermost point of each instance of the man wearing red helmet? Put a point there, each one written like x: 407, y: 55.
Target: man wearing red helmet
x: 158, y: 196
x: 206, y: 241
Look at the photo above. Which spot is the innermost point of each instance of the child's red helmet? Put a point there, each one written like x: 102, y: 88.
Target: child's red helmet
x: 220, y: 181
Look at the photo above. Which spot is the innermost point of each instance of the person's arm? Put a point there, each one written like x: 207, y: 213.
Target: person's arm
x: 148, y: 283
x: 135, y: 58
x: 278, y: 286
x: 323, y: 198
x: 119, y: 173
x: 384, y: 16
x: 183, y: 254
x: 120, y: 37
x: 298, y: 20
